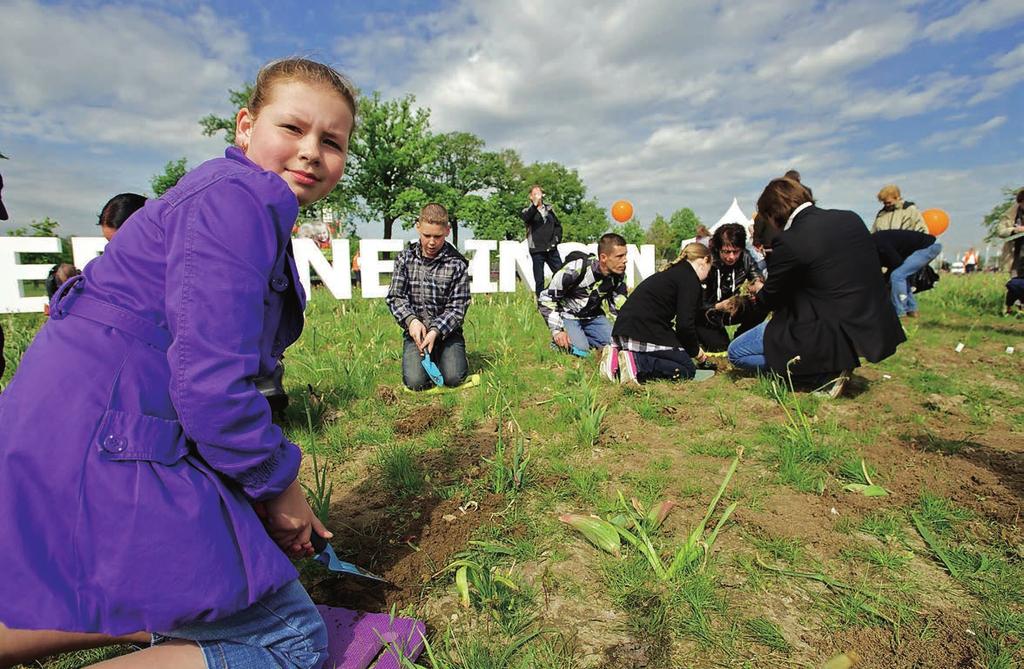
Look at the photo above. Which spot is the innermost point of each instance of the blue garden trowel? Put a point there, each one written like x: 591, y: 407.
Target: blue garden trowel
x: 326, y: 556
x: 432, y: 371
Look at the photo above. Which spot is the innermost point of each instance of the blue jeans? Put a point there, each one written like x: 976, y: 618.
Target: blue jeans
x: 449, y: 355
x: 902, y: 297
x: 588, y: 333
x: 283, y: 629
x: 551, y: 258
x: 747, y: 350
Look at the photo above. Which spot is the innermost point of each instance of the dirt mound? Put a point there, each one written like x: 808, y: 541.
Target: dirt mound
x: 405, y: 539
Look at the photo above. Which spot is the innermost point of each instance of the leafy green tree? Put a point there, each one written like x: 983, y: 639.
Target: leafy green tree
x: 494, y: 214
x: 633, y: 232
x: 583, y: 220
x: 460, y: 167
x: 660, y: 234
x: 991, y: 220
x: 174, y: 170
x: 389, y: 154
x: 212, y: 124
x: 683, y: 223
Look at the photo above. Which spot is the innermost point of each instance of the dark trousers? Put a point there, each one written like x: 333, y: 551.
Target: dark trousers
x: 1014, y: 292
x: 711, y: 326
x: 541, y: 258
x: 670, y: 364
x: 449, y: 355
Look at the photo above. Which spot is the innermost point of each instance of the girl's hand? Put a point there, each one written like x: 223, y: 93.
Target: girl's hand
x: 722, y: 306
x: 290, y: 521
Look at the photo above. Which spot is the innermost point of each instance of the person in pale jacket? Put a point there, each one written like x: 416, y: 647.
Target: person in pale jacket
x: 1012, y: 257
x: 896, y: 213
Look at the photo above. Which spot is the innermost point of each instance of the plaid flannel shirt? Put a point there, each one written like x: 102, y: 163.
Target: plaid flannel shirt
x: 433, y: 290
x: 578, y: 290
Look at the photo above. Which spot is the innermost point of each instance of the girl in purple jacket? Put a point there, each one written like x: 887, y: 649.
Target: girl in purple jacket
x: 133, y: 506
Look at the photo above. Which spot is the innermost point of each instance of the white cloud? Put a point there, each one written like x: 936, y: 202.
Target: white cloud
x: 912, y: 99
x: 946, y: 140
x: 976, y: 17
x: 1008, y: 73
x: 115, y: 73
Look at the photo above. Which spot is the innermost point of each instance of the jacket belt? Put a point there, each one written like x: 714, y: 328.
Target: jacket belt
x: 69, y: 301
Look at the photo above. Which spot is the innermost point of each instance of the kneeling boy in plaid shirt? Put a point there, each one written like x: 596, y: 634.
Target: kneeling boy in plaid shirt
x: 428, y: 297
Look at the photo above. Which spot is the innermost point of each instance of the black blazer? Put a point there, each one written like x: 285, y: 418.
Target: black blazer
x: 648, y: 314
x: 828, y: 297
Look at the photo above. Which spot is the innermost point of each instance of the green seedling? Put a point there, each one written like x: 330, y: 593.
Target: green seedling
x: 319, y: 493
x: 935, y: 545
x: 867, y: 488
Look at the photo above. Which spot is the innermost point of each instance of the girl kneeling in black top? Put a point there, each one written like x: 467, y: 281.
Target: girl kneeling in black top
x: 655, y: 336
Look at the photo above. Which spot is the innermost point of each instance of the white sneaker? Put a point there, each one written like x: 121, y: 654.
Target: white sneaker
x: 627, y: 368
x: 610, y: 363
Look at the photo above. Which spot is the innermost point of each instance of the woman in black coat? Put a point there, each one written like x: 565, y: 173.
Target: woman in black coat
x: 825, y: 289
x: 655, y: 334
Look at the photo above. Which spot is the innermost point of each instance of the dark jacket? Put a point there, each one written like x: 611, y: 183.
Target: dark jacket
x: 724, y: 281
x: 895, y: 246
x: 671, y: 295
x: 543, y: 229
x: 828, y: 297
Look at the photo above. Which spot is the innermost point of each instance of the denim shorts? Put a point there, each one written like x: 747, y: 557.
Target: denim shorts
x: 284, y: 629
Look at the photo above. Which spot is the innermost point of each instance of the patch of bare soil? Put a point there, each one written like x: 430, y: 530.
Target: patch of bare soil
x: 946, y: 646
x: 422, y: 418
x: 404, y: 539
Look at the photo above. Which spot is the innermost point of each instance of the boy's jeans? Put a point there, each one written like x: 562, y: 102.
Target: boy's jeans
x: 449, y: 355
x: 588, y: 333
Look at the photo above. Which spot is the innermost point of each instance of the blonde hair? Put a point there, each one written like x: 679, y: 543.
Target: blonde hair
x: 692, y: 251
x: 306, y: 71
x: 889, y: 191
x: 433, y: 213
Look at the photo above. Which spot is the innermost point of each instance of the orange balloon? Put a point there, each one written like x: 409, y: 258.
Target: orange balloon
x: 622, y: 210
x: 936, y: 220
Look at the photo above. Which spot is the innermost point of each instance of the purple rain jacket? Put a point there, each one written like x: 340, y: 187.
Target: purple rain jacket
x: 132, y: 438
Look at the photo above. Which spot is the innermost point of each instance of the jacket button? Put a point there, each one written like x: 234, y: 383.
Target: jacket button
x: 113, y: 443
x: 279, y: 283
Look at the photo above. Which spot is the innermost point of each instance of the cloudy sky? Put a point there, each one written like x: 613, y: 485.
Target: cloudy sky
x: 667, y: 103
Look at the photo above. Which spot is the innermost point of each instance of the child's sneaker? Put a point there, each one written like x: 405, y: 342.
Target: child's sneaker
x: 610, y: 363
x: 627, y: 368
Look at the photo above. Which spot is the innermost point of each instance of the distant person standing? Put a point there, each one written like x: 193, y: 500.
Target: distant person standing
x: 543, y: 234
x: 117, y: 210
x: 970, y: 260
x: 1012, y: 258
x: 896, y: 213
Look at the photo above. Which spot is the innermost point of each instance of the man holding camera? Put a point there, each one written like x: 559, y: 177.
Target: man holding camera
x: 543, y: 233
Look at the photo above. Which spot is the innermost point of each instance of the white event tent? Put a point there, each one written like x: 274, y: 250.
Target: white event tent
x: 733, y: 215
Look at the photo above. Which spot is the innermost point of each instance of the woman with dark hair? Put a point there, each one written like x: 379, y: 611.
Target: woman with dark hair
x: 732, y: 267
x: 117, y: 210
x: 825, y: 290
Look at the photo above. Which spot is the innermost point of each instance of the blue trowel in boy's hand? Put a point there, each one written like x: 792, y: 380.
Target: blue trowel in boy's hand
x: 431, y: 368
x: 326, y: 556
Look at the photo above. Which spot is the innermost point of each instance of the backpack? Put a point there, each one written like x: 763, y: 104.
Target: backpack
x: 573, y: 257
x: 924, y: 279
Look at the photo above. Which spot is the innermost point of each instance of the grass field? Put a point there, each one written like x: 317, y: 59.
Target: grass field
x: 414, y: 487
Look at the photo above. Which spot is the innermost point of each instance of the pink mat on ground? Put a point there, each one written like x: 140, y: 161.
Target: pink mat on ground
x: 356, y: 639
